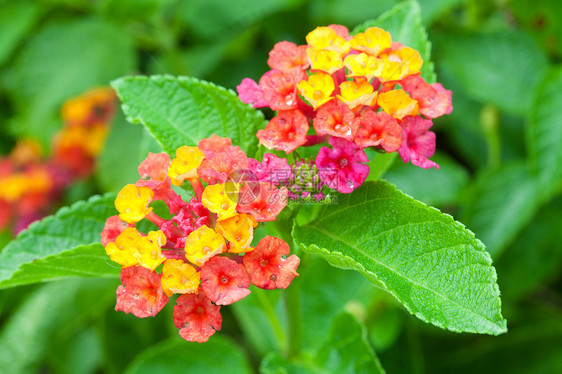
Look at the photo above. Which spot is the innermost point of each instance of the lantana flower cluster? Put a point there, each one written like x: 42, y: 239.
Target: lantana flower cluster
x: 356, y: 91
x: 202, y: 251
x: 30, y: 184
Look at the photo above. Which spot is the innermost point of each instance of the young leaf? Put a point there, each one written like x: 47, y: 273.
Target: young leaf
x: 432, y: 264
x: 219, y: 355
x: 545, y: 131
x: 404, y: 23
x: 181, y: 111
x: 77, y: 225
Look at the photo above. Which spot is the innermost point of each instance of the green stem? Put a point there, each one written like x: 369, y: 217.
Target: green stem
x: 294, y: 316
x: 270, y: 313
x: 490, y: 122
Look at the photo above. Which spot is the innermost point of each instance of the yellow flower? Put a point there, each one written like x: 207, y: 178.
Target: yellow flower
x: 364, y: 65
x: 221, y: 199
x: 131, y: 248
x: 202, y: 244
x: 239, y: 231
x: 120, y: 250
x: 327, y: 39
x: 357, y: 92
x: 317, y: 89
x: 402, y: 62
x: 324, y: 60
x: 179, y: 277
x: 185, y: 164
x: 133, y: 202
x: 398, y: 104
x: 372, y: 41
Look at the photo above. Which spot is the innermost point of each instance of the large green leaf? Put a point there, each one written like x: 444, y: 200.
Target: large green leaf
x: 499, y: 203
x: 181, y: 111
x: 89, y: 53
x: 218, y: 355
x: 51, y: 314
x: 48, y: 248
x: 405, y: 25
x: 16, y: 19
x: 433, y: 265
x: 346, y: 350
x: 485, y: 64
x: 545, y: 131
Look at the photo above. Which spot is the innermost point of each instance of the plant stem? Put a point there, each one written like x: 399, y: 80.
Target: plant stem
x: 294, y: 316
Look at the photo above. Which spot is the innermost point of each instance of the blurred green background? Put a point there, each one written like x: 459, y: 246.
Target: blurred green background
x: 501, y: 59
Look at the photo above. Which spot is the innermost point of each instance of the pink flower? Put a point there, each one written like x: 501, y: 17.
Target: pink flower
x: 280, y: 88
x: 272, y: 169
x: 417, y: 142
x: 433, y: 100
x: 224, y: 280
x: 251, y: 93
x: 342, y: 168
x: 264, y: 201
x: 140, y: 292
x: 196, y: 317
x: 378, y: 130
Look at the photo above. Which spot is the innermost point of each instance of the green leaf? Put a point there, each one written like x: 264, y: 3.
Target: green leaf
x: 181, y: 111
x: 404, y: 23
x: 545, y: 132
x: 535, y: 257
x: 346, y: 350
x: 83, y: 261
x: 218, y: 355
x: 16, y: 20
x: 499, y: 203
x: 117, y: 164
x: 89, y: 53
x: 432, y: 265
x: 52, y: 243
x: 487, y: 64
x: 436, y: 187
x: 51, y: 313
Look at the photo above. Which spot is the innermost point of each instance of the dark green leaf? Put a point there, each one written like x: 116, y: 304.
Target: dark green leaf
x: 346, y: 350
x: 433, y: 265
x: 89, y: 53
x: 181, y: 111
x: 16, y: 19
x: 500, y: 203
x: 404, y: 23
x: 218, y: 355
x: 487, y: 66
x: 56, y: 236
x: 545, y: 132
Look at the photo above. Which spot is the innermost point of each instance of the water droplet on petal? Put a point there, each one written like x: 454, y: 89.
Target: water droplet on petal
x: 349, y: 184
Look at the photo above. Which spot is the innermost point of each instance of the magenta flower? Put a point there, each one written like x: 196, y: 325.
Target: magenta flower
x: 417, y: 142
x: 342, y: 168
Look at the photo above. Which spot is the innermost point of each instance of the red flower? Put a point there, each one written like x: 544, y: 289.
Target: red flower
x: 378, y: 130
x: 196, y: 317
x: 218, y: 166
x: 224, y: 280
x: 213, y: 145
x: 268, y: 265
x: 336, y: 119
x: 280, y: 88
x: 140, y: 292
x: 285, y: 132
x: 155, y: 166
x: 264, y: 201
x: 286, y: 55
